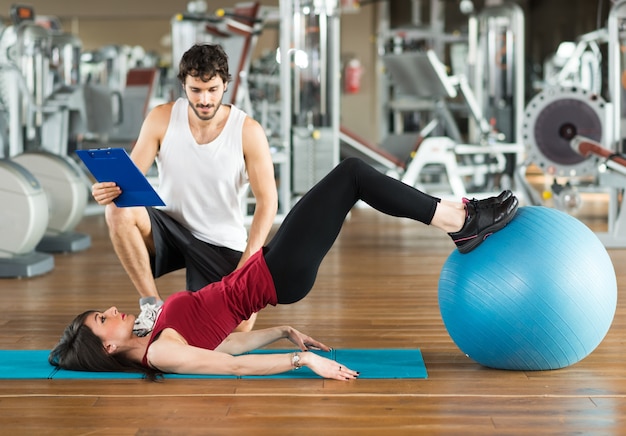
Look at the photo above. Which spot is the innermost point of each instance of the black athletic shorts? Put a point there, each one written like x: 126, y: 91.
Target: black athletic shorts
x: 177, y: 248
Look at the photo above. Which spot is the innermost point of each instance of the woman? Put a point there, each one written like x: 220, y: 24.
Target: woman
x: 194, y: 331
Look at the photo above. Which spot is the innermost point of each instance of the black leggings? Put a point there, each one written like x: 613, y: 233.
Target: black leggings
x: 295, y: 253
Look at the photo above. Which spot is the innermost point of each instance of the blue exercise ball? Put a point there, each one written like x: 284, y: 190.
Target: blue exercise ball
x: 539, y: 294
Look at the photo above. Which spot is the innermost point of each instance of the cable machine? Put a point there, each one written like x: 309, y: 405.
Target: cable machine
x: 309, y: 74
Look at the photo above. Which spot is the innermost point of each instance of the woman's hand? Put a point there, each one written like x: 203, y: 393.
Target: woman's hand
x: 320, y: 365
x: 105, y: 192
x: 305, y: 342
x: 327, y: 368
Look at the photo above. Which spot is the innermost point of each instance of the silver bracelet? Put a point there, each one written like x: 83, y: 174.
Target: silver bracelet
x: 295, y: 361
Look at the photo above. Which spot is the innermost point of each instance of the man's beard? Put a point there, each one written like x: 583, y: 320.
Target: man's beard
x: 210, y: 115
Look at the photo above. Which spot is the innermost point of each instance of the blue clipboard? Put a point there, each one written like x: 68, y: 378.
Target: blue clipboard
x: 115, y: 165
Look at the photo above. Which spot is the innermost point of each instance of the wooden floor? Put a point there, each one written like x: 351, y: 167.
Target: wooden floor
x: 376, y: 289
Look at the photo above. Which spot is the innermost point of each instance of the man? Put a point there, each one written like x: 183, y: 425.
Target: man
x: 207, y: 153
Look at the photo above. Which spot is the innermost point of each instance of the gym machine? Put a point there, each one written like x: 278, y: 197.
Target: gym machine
x: 64, y: 184
x: 482, y: 158
x: 578, y: 64
x: 39, y: 110
x: 576, y: 137
x: 442, y: 156
x: 406, y: 114
x: 23, y: 222
x: 466, y: 165
x: 496, y: 66
x: 309, y: 74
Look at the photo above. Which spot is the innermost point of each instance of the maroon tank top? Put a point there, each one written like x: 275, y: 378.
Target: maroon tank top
x: 206, y: 317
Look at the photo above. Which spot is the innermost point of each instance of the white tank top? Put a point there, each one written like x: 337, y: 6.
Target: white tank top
x: 203, y: 184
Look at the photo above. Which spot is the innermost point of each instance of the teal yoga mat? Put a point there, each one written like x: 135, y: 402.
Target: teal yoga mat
x: 371, y: 363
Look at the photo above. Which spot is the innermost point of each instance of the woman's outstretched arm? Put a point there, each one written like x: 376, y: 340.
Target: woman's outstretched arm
x: 243, y: 342
x: 171, y: 354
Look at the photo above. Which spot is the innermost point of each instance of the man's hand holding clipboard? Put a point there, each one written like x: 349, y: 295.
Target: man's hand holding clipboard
x: 115, y: 165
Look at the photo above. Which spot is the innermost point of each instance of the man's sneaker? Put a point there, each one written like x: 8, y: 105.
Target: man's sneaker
x: 147, y: 317
x: 491, y: 201
x: 480, y: 222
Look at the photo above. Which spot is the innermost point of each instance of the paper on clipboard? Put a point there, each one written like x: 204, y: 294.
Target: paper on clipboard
x: 115, y: 165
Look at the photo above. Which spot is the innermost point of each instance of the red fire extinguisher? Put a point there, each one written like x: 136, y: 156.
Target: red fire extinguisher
x: 353, y: 73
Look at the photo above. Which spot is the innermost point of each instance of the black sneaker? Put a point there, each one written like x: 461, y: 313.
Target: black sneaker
x: 491, y: 201
x: 481, y: 222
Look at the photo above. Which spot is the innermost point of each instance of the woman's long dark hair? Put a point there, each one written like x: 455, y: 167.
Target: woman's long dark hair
x: 81, y: 350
